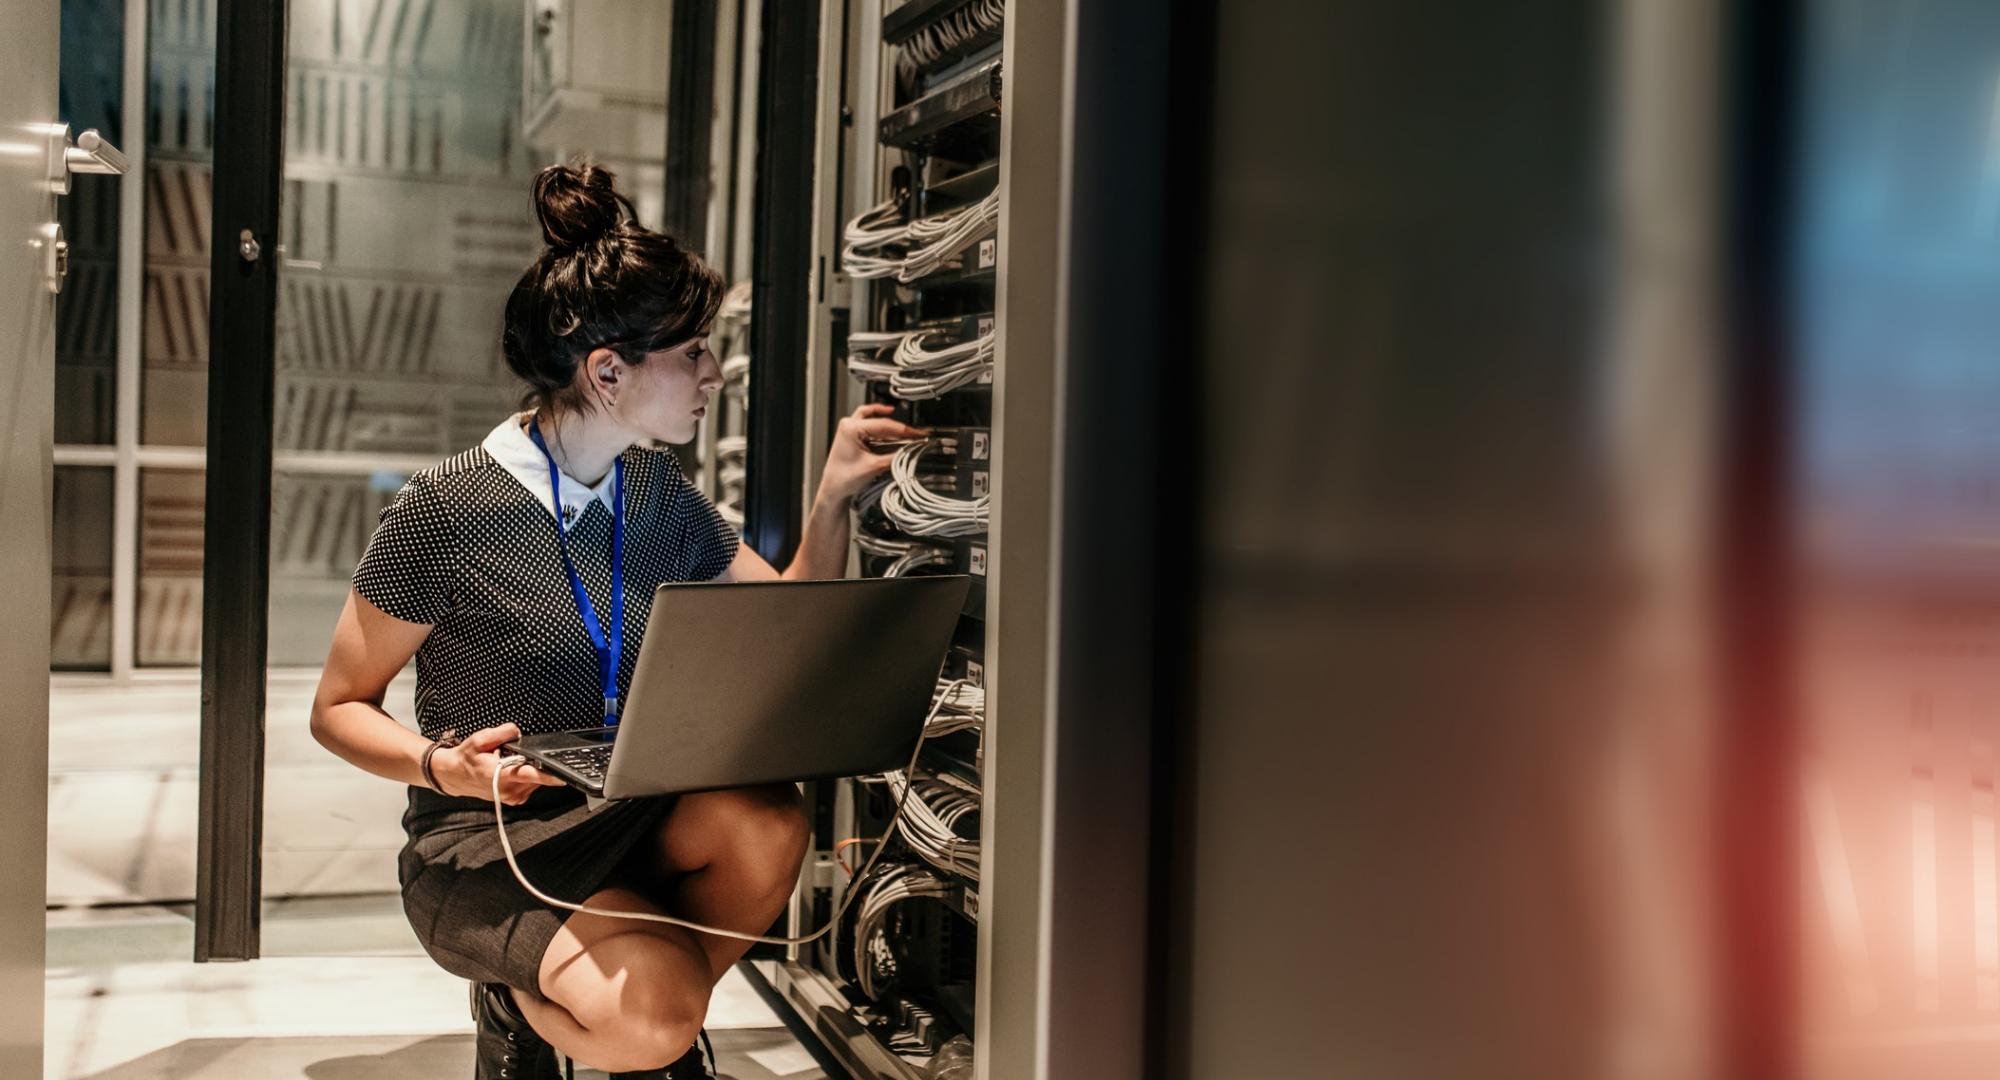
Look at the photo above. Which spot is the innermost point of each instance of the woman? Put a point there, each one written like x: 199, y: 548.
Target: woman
x: 470, y: 572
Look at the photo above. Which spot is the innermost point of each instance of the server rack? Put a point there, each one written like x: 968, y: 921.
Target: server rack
x: 905, y: 275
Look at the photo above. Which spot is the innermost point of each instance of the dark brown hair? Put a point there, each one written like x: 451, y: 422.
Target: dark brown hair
x: 603, y: 282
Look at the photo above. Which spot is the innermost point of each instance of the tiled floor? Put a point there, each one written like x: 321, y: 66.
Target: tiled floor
x: 122, y: 769
x: 344, y: 991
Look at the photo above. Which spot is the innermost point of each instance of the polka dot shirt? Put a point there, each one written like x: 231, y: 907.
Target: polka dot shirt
x: 469, y: 549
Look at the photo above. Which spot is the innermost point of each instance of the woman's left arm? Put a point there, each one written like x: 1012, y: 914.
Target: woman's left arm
x: 850, y: 465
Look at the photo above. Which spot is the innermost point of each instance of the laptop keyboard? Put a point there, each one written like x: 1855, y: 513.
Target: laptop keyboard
x: 586, y: 761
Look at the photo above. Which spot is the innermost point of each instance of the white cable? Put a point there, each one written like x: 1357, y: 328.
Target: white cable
x: 865, y: 349
x: 958, y: 706
x: 914, y: 352
x: 945, y: 236
x: 895, y: 884
x: 933, y: 41
x: 735, y: 302
x: 878, y: 227
x: 873, y: 238
x: 507, y: 846
x: 730, y: 472
x: 914, y: 558
x: 930, y: 826
x: 874, y: 342
x: 943, y: 799
x: 916, y: 372
x: 882, y: 546
x: 919, y: 511
x: 908, y: 555
x: 924, y: 373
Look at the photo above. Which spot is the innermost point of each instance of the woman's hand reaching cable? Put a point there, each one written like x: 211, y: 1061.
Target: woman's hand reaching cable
x: 853, y: 462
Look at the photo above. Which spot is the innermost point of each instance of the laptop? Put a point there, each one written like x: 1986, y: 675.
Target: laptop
x: 758, y: 682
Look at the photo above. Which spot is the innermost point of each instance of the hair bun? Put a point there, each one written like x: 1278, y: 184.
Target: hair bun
x: 577, y: 204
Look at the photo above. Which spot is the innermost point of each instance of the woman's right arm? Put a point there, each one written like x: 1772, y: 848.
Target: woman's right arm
x: 369, y: 648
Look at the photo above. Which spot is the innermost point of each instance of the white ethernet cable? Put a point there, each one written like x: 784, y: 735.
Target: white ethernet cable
x: 735, y: 303
x: 946, y: 235
x: 736, y: 371
x: 865, y: 349
x: 929, y: 373
x: 895, y: 884
x: 919, y: 511
x: 961, y: 707
x: 875, y: 342
x: 931, y: 825
x: 930, y: 241
x: 877, y: 227
x: 915, y: 371
x: 908, y: 554
x: 507, y: 846
x: 883, y: 546
x: 730, y: 471
x: 940, y: 37
x: 914, y: 353
x: 919, y: 555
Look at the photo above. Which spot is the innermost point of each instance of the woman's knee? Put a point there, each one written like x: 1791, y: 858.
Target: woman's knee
x: 645, y: 1009
x: 656, y: 1027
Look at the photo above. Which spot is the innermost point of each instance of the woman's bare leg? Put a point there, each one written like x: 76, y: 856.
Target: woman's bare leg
x: 734, y: 858
x: 623, y: 995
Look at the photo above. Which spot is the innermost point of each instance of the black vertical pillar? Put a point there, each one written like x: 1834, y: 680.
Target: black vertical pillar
x: 1756, y: 958
x: 780, y: 298
x: 690, y: 118
x: 243, y: 294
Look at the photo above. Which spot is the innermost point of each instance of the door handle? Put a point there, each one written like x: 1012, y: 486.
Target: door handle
x: 93, y: 153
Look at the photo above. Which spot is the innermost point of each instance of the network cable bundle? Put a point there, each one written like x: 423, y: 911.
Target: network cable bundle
x: 729, y: 338
x: 923, y: 259
x: 731, y: 469
x: 920, y: 365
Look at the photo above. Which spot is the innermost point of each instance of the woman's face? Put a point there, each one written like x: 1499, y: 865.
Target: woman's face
x: 669, y: 393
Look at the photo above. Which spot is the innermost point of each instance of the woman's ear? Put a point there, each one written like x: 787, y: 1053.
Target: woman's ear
x: 605, y: 370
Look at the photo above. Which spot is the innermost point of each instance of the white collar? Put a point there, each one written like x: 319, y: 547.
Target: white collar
x: 510, y: 446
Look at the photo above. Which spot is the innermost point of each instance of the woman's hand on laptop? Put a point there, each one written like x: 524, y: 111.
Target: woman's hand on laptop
x: 467, y: 769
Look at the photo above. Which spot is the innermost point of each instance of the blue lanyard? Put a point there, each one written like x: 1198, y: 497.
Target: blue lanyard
x: 609, y: 641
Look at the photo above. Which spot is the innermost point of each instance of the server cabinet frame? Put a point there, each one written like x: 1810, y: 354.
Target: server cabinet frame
x: 1013, y: 926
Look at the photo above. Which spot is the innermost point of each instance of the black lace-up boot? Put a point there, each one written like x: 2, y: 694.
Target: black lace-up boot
x: 697, y: 1064
x: 508, y: 1048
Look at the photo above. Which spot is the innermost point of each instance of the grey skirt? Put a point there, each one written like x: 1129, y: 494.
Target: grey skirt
x: 470, y: 914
